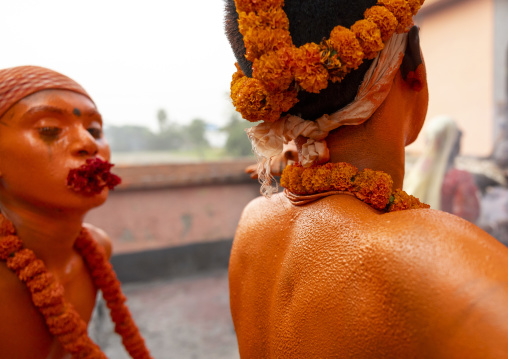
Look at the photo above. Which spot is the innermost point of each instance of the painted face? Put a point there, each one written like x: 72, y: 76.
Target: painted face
x: 43, y: 137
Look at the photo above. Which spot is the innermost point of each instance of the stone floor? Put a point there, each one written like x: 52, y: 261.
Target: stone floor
x: 179, y: 318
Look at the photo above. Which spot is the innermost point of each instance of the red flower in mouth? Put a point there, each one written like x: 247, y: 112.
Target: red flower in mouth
x: 92, y: 177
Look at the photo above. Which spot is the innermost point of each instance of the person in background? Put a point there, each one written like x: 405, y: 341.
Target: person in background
x: 434, y: 178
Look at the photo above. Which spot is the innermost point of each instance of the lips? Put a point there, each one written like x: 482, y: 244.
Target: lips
x: 92, y: 177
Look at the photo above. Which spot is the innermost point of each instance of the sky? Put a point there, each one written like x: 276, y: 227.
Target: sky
x: 132, y: 59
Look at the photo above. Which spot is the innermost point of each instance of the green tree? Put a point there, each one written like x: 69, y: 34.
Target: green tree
x: 195, y: 132
x: 162, y: 118
x: 237, y: 143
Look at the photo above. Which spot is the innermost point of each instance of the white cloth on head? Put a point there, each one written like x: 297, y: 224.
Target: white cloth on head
x: 268, y: 137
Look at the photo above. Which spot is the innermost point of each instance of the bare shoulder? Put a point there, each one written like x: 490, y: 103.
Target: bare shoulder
x: 101, y: 237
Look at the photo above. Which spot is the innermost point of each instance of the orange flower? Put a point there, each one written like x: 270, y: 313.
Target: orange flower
x: 371, y: 187
x: 257, y: 5
x: 342, y: 175
x: 384, y: 19
x: 275, y: 69
x: 401, y: 10
x: 347, y: 46
x: 8, y: 245
x: 277, y: 63
x: 48, y: 295
x: 259, y: 41
x: 310, y: 74
x: 369, y: 36
x: 274, y: 18
x: 255, y: 103
x: 402, y: 201
x: 415, y: 5
x: 291, y: 178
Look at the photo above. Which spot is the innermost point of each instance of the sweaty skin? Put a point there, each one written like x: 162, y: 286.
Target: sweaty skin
x: 337, y: 279
x: 42, y: 137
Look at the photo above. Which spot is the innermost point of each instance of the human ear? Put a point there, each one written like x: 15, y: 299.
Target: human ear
x: 412, y: 67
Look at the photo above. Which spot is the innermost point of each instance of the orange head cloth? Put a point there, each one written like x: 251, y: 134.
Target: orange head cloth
x: 19, y: 82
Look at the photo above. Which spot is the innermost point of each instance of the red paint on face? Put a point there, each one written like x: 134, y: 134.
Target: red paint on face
x: 41, y: 140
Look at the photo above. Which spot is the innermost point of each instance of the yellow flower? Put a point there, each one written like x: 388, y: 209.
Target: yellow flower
x: 384, y: 19
x: 347, y: 46
x: 310, y: 74
x: 402, y: 12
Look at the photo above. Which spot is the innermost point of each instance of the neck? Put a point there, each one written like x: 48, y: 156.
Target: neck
x: 49, y: 234
x: 364, y: 147
x: 379, y: 143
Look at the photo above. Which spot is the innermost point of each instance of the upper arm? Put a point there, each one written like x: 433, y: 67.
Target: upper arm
x: 101, y: 237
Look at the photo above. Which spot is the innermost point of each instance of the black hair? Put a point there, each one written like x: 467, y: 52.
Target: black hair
x: 311, y: 21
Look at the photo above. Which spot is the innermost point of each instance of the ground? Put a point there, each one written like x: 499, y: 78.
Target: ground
x: 179, y: 318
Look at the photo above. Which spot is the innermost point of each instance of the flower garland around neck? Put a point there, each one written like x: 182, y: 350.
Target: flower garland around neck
x: 280, y: 69
x: 62, y: 320
x: 371, y: 187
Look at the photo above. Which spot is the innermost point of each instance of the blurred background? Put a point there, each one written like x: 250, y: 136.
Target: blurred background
x: 160, y: 73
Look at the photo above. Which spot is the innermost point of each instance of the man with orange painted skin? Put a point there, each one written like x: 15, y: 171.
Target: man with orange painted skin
x: 53, y: 170
x: 343, y: 264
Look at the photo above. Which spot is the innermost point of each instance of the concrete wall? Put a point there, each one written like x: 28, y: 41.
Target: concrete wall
x: 175, y: 219
x: 457, y: 38
x: 500, y: 66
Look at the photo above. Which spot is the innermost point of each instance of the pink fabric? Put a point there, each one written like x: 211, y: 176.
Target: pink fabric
x: 459, y: 195
x: 19, y: 82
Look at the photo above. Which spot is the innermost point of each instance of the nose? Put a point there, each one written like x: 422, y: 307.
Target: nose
x: 83, y: 144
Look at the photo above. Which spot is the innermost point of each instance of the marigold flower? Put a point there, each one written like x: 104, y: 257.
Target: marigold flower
x: 259, y: 41
x: 341, y: 176
x: 39, y: 282
x: 47, y: 294
x: 33, y: 268
x: 369, y: 36
x: 310, y: 74
x: 291, y: 179
x: 275, y: 69
x: 347, y: 46
x: 257, y: 5
x: 329, y: 56
x: 415, y: 5
x: 402, y: 12
x: 255, y: 103
x: 21, y: 259
x: 384, y: 19
x: 8, y: 245
x: 51, y: 295
x: 274, y: 18
x: 402, y: 201
x: 373, y: 187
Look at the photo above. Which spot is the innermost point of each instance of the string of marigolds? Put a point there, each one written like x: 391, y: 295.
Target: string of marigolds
x: 280, y: 69
x: 61, y: 318
x: 371, y: 187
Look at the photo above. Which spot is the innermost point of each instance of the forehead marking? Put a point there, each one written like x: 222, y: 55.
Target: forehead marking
x: 77, y: 112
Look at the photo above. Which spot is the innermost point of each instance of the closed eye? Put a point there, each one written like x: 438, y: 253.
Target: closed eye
x: 95, y: 132
x: 50, y: 132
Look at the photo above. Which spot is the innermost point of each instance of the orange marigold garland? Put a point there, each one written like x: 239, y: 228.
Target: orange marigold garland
x: 61, y: 318
x: 371, y: 187
x: 280, y: 69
